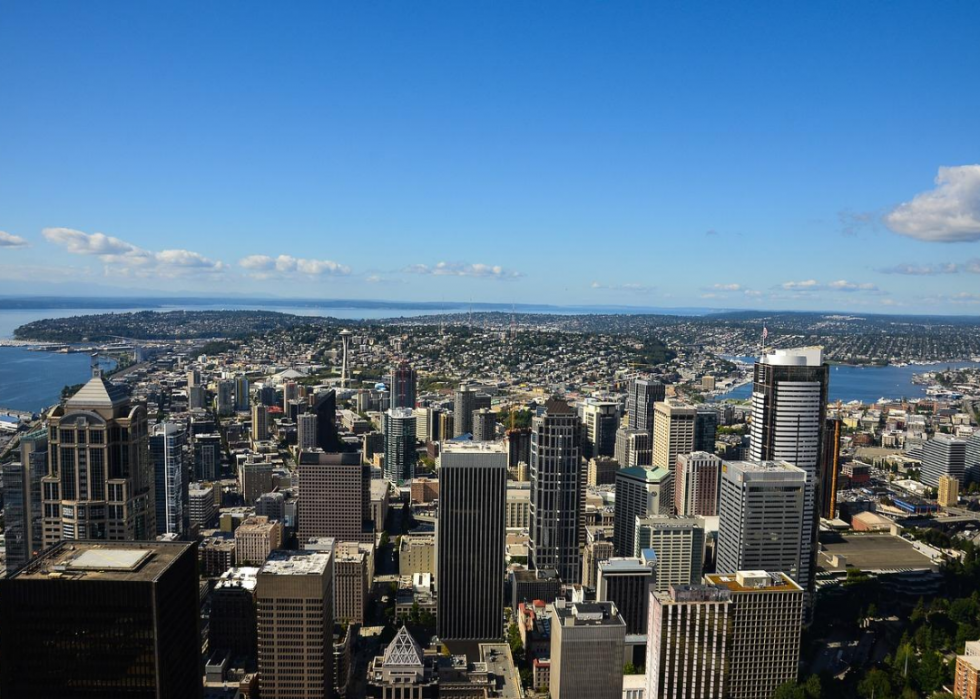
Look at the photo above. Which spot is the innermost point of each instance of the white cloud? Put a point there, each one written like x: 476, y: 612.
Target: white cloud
x: 932, y: 269
x: 950, y: 213
x: 9, y: 240
x: 805, y: 284
x: 844, y: 285
x: 811, y: 285
x: 726, y: 287
x: 120, y: 257
x: 629, y: 286
x: 463, y: 269
x: 263, y: 266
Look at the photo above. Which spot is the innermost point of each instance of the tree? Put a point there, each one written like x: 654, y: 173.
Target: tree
x: 875, y: 685
x: 789, y: 690
x: 631, y: 669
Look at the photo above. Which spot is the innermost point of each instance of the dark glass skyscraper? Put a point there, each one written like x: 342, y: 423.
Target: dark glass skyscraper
x: 23, y: 533
x: 325, y: 407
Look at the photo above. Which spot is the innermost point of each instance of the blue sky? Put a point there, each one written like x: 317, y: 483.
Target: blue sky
x: 817, y: 155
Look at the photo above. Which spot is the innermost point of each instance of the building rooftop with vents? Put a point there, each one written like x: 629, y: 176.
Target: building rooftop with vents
x: 105, y: 560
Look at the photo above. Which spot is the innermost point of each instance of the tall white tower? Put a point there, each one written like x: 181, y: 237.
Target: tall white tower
x: 345, y: 339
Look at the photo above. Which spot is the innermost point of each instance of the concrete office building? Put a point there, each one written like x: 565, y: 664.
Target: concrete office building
x: 557, y: 491
x: 103, y: 619
x: 294, y: 595
x: 484, y: 425
x: 601, y: 471
x: 600, y: 420
x: 678, y: 543
x: 518, y: 511
x: 100, y: 481
x: 403, y: 380
x: 789, y: 405
x: 242, y: 398
x: 260, y: 423
x: 400, y: 452
x: 943, y: 456
x: 626, y: 583
x: 202, y: 510
x: 598, y: 547
x: 255, y: 539
x: 673, y: 433
x: 642, y: 395
x: 948, y: 491
x: 417, y: 554
x: 271, y: 505
x: 464, y: 404
x: 254, y: 478
x: 761, y: 518
x: 306, y: 432
x: 225, y: 398
x: 334, y: 497
x: 350, y: 593
x: 587, y: 650
x: 167, y: 447
x: 972, y: 465
x: 687, y: 650
x: 231, y: 621
x: 696, y: 480
x: 766, y: 627
x: 518, y: 441
x: 207, y: 457
x: 470, y: 540
x: 640, y: 492
x: 633, y: 447
x: 526, y: 586
x: 23, y: 522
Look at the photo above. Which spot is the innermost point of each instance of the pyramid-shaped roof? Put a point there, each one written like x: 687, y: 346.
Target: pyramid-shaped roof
x: 403, y: 650
x: 99, y: 393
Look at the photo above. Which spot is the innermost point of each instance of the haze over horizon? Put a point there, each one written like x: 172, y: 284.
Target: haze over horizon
x: 770, y: 157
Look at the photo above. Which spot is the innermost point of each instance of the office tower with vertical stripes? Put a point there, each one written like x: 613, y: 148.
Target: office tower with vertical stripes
x: 943, y: 456
x: 403, y: 381
x: 470, y: 541
x: 639, y: 492
x: 696, y: 481
x: 600, y: 420
x: 642, y: 395
x: 400, y: 453
x: 167, y: 449
x: 557, y: 491
x: 464, y: 403
x: 673, y: 433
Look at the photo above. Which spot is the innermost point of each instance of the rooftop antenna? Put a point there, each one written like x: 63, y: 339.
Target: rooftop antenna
x: 96, y: 369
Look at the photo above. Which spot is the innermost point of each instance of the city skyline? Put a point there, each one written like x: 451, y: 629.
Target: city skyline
x: 448, y: 153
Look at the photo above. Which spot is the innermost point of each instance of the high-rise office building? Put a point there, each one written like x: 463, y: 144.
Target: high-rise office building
x: 306, y: 432
x: 829, y: 468
x: 243, y: 401
x: 678, y: 544
x: 350, y: 579
x: 789, y: 406
x: 464, y: 405
x: 167, y: 447
x: 761, y: 518
x: 207, y: 457
x: 518, y: 441
x: 642, y: 395
x: 948, y: 493
x: 254, y: 478
x: 294, y: 595
x: 202, y: 508
x: 687, y: 651
x: 225, y: 398
x: 447, y: 420
x: 470, y: 540
x: 400, y: 450
x: 557, y: 490
x: 600, y: 420
x: 633, y: 447
x: 193, y: 378
x: 403, y: 382
x: 426, y: 424
x: 100, y: 481
x: 103, y: 619
x: 324, y: 406
x: 260, y: 423
x: 640, y: 492
x: 255, y: 539
x: 484, y: 425
x: 705, y: 428
x: 598, y: 547
x: 23, y: 522
x: 334, y: 497
x: 231, y: 623
x: 587, y: 649
x: 673, y: 433
x: 943, y: 456
x: 766, y: 625
x: 972, y: 460
x: 196, y: 397
x: 626, y: 583
x: 696, y: 481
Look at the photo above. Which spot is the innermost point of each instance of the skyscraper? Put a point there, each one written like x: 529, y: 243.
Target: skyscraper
x: 103, y: 619
x: 600, y: 420
x: 231, y: 624
x: 464, y: 405
x: 696, y: 481
x: 294, y: 595
x: 306, y: 431
x: 100, y: 482
x: 633, y: 447
x: 626, y: 583
x: 225, y: 399
x: 403, y: 381
x: 678, y: 544
x: 324, y: 406
x: 400, y: 451
x: 639, y: 492
x: 761, y: 518
x: 260, y: 422
x: 829, y: 468
x: 207, y: 457
x: 641, y: 397
x: 789, y: 405
x: 484, y: 425
x: 686, y: 645
x: 972, y: 460
x: 167, y: 446
x: 23, y: 522
x: 587, y: 648
x: 470, y: 540
x: 766, y: 625
x: 673, y: 433
x: 943, y: 456
x: 557, y: 491
x: 334, y: 497
x: 705, y: 428
x: 243, y: 400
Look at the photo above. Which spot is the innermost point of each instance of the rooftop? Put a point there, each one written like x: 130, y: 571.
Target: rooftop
x: 588, y: 614
x: 473, y: 447
x: 871, y: 552
x: 754, y: 581
x: 624, y: 566
x: 105, y: 560
x: 296, y: 563
x: 99, y: 393
x: 244, y: 577
x: 643, y: 473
